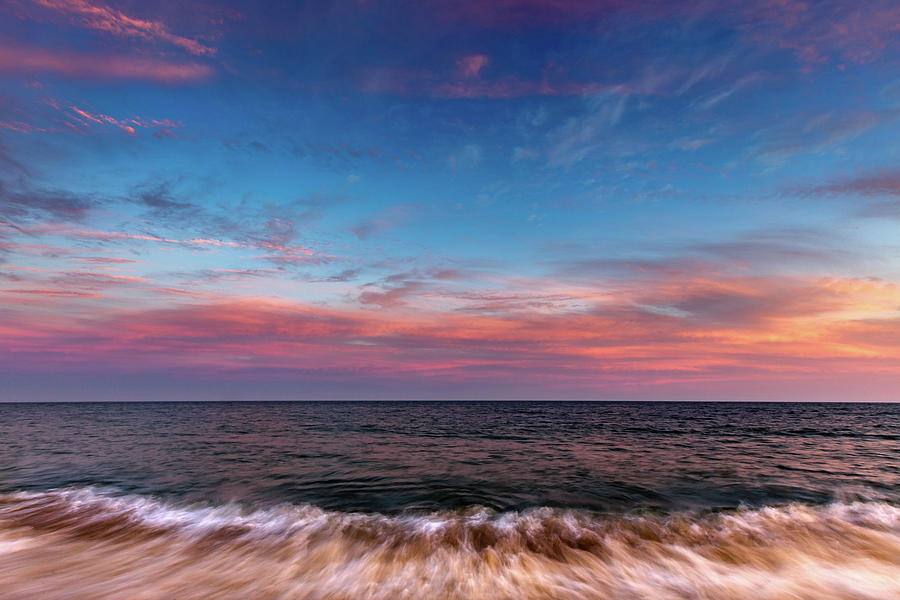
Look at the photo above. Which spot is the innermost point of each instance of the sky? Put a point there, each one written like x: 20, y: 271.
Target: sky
x: 518, y: 199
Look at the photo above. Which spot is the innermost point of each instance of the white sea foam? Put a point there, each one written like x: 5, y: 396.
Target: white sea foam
x: 84, y: 543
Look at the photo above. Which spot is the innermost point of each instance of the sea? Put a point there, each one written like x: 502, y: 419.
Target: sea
x: 450, y: 500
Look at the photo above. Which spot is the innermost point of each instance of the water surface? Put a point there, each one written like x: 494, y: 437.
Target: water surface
x: 450, y: 500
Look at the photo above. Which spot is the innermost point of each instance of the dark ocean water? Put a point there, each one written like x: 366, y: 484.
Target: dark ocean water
x: 450, y: 500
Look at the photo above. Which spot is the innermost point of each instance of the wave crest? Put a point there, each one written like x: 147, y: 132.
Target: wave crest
x: 85, y: 543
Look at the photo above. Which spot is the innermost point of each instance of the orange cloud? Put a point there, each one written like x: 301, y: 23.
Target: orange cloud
x: 614, y: 344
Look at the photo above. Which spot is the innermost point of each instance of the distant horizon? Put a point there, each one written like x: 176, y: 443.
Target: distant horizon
x: 504, y: 400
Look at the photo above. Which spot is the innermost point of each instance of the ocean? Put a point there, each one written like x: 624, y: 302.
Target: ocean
x: 450, y: 500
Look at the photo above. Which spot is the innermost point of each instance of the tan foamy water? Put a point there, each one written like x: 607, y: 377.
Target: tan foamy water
x: 81, y: 543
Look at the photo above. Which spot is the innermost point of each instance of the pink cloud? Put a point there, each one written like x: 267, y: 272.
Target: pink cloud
x: 21, y: 127
x: 105, y: 119
x: 880, y: 182
x: 103, y: 18
x: 164, y: 132
x: 27, y: 61
x: 818, y: 32
x: 471, y: 66
x: 736, y: 329
x: 80, y: 120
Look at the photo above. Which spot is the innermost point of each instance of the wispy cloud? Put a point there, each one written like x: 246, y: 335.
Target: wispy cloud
x: 883, y: 185
x: 879, y: 182
x: 103, y: 18
x: 27, y: 61
x: 129, y: 125
x: 741, y: 329
x: 383, y: 221
x: 817, y: 132
x: 28, y: 205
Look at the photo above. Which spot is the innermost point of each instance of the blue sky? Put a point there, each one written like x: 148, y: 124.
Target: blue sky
x: 392, y: 199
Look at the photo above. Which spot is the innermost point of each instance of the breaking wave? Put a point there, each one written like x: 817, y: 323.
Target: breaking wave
x: 87, y: 543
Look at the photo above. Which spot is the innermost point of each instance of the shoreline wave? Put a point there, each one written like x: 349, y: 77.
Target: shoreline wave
x: 86, y: 543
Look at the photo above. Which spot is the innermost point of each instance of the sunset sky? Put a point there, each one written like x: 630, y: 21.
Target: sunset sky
x: 517, y: 199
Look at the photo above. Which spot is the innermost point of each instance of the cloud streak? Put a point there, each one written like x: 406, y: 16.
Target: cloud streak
x: 26, y: 61
x: 736, y: 329
x: 102, y: 18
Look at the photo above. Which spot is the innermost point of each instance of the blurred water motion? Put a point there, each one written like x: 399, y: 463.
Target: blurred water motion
x: 450, y: 500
